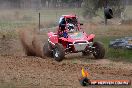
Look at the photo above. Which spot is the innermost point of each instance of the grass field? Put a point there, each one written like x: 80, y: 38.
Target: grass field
x: 115, y: 54
x: 11, y: 20
x: 31, y: 16
x: 105, y: 34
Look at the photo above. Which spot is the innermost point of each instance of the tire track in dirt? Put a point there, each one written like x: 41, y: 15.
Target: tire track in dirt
x: 48, y: 63
x: 35, y: 71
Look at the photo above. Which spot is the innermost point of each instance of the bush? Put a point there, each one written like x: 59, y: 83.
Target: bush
x: 89, y: 8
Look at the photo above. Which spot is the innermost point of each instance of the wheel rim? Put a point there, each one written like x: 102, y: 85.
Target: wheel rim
x: 96, y: 51
x: 56, y: 53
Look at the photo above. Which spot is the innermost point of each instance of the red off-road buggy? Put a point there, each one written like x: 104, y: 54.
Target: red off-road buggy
x: 72, y: 39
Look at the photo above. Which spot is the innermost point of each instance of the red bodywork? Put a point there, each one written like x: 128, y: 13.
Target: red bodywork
x: 74, y: 41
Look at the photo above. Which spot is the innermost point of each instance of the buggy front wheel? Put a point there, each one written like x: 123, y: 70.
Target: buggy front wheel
x: 59, y: 52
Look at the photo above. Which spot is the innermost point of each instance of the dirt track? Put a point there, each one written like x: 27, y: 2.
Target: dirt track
x: 21, y: 71
x: 34, y: 72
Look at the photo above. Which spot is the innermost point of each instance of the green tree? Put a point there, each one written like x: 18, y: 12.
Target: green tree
x: 90, y: 7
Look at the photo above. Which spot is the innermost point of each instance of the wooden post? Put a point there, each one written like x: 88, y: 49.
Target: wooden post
x: 39, y: 22
x: 105, y: 6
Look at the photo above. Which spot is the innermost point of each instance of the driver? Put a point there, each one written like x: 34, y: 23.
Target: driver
x: 70, y: 27
x: 62, y: 24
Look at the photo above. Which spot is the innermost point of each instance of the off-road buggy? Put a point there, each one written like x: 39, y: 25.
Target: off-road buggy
x: 72, y: 40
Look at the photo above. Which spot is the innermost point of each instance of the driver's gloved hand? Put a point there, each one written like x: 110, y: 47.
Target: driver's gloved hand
x: 65, y: 34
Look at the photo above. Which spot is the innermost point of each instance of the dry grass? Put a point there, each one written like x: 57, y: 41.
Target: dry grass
x: 110, y: 30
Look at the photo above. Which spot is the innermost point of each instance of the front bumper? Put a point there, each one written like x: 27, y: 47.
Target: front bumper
x: 80, y: 45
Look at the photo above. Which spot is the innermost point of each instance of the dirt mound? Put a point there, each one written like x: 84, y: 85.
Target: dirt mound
x: 31, y: 42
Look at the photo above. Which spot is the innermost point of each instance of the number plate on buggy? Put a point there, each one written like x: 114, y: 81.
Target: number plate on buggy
x: 80, y: 47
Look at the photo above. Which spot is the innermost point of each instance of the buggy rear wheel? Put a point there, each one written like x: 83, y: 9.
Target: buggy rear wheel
x: 99, y: 50
x: 59, y: 52
x: 47, y: 49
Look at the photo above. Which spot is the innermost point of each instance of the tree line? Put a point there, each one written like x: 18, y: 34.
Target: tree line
x: 39, y: 3
x: 89, y: 7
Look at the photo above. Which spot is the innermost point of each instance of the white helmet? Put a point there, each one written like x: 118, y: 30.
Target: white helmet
x: 70, y: 27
